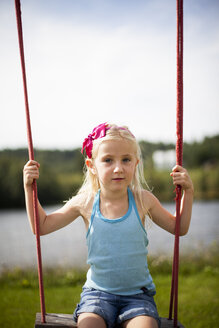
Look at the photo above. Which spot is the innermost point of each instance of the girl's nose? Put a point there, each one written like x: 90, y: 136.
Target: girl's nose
x: 118, y: 168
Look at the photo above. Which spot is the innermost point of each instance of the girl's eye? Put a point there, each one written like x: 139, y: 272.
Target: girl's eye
x: 107, y: 160
x: 126, y: 160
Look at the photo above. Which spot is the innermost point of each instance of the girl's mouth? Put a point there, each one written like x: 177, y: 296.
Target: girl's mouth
x: 118, y: 179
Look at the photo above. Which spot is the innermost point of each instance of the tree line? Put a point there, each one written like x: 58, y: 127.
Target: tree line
x: 61, y: 172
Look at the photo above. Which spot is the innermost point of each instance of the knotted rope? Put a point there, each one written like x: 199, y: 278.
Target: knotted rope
x: 31, y: 157
x: 179, y: 159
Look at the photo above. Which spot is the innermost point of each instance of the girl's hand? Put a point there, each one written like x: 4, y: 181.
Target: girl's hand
x: 30, y: 172
x: 181, y: 177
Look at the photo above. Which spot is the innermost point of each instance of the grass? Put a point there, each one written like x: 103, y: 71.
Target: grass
x: 198, y: 291
x: 198, y: 299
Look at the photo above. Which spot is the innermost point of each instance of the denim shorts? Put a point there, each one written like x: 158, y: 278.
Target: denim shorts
x: 115, y: 309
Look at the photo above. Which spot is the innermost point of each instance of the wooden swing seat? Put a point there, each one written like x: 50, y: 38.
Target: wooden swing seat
x: 65, y: 320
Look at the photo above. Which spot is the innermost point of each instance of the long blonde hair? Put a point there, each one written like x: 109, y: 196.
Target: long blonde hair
x: 91, y: 184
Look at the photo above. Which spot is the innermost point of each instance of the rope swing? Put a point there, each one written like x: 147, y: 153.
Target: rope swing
x: 179, y: 159
x: 64, y: 320
x: 31, y: 157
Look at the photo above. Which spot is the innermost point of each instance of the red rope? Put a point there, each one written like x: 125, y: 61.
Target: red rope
x: 179, y: 159
x: 31, y: 157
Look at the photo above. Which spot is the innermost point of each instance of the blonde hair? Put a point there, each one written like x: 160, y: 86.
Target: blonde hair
x: 91, y: 184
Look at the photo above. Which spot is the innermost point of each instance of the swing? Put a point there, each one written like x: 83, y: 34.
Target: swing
x: 44, y: 319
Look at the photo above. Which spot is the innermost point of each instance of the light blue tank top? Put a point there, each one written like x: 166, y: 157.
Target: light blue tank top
x: 117, y: 252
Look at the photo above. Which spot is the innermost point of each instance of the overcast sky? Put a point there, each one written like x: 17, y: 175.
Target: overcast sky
x: 94, y: 61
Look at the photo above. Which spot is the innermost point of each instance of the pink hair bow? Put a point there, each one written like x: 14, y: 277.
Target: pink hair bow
x: 98, y: 132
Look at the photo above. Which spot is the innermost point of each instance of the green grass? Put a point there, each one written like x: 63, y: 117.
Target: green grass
x: 198, y: 301
x: 198, y: 291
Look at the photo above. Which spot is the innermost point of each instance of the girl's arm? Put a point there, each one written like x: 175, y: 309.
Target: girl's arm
x: 54, y: 221
x: 165, y: 219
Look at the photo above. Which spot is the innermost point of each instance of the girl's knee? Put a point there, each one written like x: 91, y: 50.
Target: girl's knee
x: 141, y: 322
x: 91, y: 320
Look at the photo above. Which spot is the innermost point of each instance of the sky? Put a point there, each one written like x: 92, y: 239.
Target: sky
x: 95, y: 61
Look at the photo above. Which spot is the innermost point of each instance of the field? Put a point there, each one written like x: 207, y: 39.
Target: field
x: 198, y: 291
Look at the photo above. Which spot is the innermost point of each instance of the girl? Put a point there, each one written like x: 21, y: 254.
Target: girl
x: 119, y: 288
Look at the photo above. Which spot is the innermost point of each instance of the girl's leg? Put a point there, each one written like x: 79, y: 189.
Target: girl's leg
x: 141, y: 321
x: 90, y: 320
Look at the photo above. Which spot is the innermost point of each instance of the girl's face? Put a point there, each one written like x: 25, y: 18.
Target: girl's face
x: 115, y: 164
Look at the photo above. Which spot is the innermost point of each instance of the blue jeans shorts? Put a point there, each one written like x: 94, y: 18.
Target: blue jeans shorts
x: 115, y: 309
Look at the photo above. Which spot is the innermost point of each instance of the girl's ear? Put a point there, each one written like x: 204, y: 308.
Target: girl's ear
x: 90, y: 165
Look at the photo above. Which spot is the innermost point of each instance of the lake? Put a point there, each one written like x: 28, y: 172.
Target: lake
x: 67, y: 247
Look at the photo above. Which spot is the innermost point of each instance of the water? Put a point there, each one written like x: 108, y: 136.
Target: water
x: 67, y: 247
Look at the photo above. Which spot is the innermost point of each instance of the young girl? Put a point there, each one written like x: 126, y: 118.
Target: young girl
x: 119, y: 288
